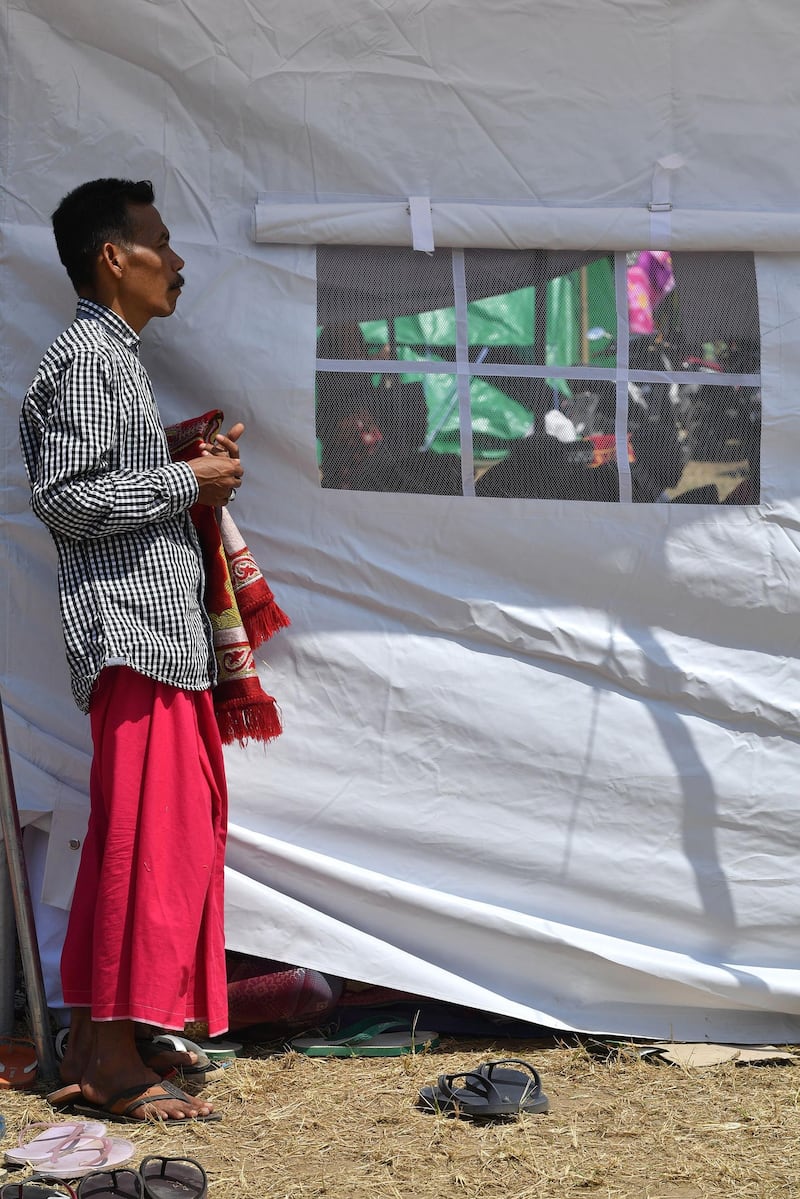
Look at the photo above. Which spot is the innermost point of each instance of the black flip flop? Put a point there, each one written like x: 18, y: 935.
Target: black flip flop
x: 36, y: 1187
x: 525, y: 1081
x: 173, y: 1178
x: 124, y: 1183
x: 486, y: 1093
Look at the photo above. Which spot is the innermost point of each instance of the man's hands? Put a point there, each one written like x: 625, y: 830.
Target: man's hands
x: 218, y: 470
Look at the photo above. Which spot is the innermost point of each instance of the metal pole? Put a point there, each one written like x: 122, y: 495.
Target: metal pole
x: 540, y: 400
x: 8, y: 954
x: 23, y: 910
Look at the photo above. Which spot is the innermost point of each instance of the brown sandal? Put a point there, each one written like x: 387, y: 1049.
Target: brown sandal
x: 120, y: 1107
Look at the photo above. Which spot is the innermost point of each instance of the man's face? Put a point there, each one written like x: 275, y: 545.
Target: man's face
x: 151, y: 281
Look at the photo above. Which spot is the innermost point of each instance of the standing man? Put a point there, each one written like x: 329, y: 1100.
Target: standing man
x: 145, y: 940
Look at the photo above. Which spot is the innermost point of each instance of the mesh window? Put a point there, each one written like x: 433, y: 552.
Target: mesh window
x: 542, y: 307
x: 514, y: 373
x: 694, y: 398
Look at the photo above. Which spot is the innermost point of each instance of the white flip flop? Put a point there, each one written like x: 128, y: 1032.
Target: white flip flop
x: 70, y: 1150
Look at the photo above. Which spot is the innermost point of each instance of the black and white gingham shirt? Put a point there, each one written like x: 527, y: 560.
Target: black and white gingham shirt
x: 129, y: 569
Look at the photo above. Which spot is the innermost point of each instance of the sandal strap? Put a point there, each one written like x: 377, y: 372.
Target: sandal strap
x: 488, y: 1068
x: 141, y: 1099
x: 68, y: 1139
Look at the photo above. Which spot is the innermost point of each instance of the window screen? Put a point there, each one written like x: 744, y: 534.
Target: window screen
x: 539, y: 374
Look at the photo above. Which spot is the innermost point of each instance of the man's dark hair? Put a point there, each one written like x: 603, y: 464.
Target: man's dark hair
x: 92, y: 214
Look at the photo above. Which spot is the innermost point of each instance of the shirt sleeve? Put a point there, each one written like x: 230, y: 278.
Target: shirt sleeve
x: 76, y: 490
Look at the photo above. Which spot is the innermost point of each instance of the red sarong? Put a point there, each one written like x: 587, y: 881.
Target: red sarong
x: 145, y: 940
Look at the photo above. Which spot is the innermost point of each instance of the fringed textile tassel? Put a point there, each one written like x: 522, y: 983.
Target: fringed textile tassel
x: 240, y: 605
x: 261, y: 615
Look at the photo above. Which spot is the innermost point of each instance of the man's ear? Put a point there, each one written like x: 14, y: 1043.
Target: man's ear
x: 111, y: 258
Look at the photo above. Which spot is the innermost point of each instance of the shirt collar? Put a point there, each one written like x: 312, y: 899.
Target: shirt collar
x: 91, y: 310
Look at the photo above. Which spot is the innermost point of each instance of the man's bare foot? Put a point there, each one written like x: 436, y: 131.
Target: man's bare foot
x: 78, y: 1046
x: 146, y: 1100
x: 154, y: 1051
x: 164, y: 1060
x: 78, y: 1050
x: 115, y: 1075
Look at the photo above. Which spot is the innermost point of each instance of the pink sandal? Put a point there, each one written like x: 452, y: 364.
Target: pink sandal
x: 69, y: 1150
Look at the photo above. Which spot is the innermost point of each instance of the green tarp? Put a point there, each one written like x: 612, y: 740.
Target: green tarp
x: 503, y: 321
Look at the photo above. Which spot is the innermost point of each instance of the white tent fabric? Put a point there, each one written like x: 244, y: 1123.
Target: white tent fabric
x: 539, y: 758
x: 507, y: 227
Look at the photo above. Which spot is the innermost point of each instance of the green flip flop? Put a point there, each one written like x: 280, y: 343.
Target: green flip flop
x: 387, y: 1038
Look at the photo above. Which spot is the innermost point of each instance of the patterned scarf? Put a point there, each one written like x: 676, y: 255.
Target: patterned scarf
x: 239, y: 602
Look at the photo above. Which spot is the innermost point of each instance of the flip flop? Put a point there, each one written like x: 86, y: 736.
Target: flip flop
x: 368, y: 1039
x: 485, y: 1093
x: 60, y: 1043
x: 173, y: 1177
x: 525, y: 1081
x: 50, y: 1140
x: 200, y: 1072
x: 111, y: 1184
x: 64, y: 1097
x: 70, y: 1150
x: 120, y: 1110
x: 222, y: 1053
x: 36, y: 1187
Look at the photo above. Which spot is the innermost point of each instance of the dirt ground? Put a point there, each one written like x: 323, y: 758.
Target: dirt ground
x: 296, y: 1127
x: 725, y: 475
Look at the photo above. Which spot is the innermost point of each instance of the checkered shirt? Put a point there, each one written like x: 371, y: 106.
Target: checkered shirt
x: 130, y: 574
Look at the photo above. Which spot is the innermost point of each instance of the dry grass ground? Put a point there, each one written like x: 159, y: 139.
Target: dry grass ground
x: 296, y: 1128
